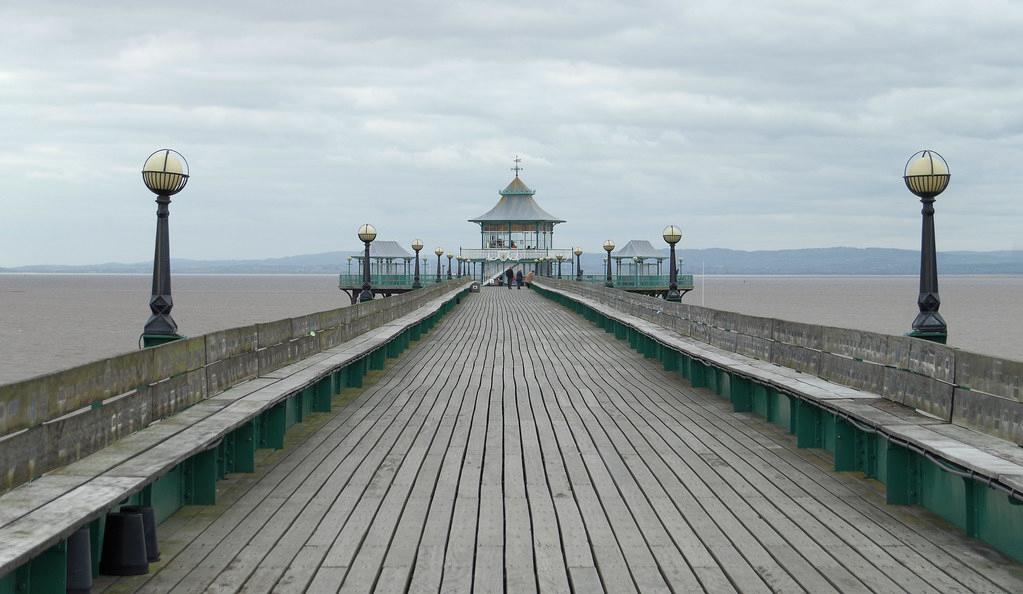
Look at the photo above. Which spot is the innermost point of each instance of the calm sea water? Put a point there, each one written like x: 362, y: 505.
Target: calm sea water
x: 49, y: 322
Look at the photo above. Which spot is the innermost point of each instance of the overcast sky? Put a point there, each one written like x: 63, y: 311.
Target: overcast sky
x: 752, y: 125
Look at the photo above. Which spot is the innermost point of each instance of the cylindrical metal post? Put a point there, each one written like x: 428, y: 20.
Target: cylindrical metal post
x: 928, y: 323
x: 161, y: 327
x: 416, y: 283
x: 673, y: 294
x: 367, y: 293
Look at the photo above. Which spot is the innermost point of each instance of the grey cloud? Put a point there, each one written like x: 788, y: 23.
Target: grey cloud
x: 753, y: 125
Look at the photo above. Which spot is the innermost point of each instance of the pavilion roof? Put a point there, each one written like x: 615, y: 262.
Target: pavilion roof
x: 385, y: 250
x: 516, y: 204
x: 638, y: 248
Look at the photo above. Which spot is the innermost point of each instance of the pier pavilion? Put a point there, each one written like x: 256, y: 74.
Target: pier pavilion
x: 390, y: 269
x: 517, y: 233
x: 637, y: 268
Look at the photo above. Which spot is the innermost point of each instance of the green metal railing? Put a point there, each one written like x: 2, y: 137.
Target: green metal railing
x: 642, y: 281
x: 347, y: 281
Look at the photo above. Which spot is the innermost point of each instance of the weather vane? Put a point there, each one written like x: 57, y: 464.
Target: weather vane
x: 517, y: 169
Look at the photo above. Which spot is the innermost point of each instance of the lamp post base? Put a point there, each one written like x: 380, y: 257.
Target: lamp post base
x: 417, y: 285
x: 152, y: 340
x: 365, y: 295
x: 939, y: 337
x: 673, y: 295
x: 609, y: 284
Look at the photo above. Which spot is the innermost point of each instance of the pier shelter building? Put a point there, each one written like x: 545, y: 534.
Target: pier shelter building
x: 390, y: 269
x: 517, y: 232
x: 640, y: 259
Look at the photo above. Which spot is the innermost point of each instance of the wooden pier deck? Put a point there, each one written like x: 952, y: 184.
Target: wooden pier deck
x: 519, y: 448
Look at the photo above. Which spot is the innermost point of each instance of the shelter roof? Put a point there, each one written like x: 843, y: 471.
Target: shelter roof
x: 385, y: 249
x: 516, y: 204
x: 638, y: 248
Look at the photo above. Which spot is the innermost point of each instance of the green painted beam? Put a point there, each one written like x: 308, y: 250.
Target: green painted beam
x: 902, y: 475
x: 273, y: 424
x: 323, y: 390
x: 741, y: 393
x: 245, y: 447
x: 201, y: 478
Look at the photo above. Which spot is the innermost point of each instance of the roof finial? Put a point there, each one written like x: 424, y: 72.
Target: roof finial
x: 517, y: 169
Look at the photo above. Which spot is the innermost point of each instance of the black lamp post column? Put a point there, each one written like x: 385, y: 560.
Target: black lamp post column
x: 672, y: 235
x: 367, y: 233
x: 165, y: 173
x: 927, y: 176
x: 673, y: 294
x: 416, y: 284
x: 578, y: 266
x: 161, y: 327
x: 609, y: 247
x: 416, y: 246
x: 449, y: 266
x: 928, y: 323
x: 367, y: 288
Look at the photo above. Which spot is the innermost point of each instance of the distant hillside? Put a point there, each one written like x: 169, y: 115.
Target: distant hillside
x: 818, y: 261
x: 838, y: 260
x: 842, y: 260
x: 325, y: 263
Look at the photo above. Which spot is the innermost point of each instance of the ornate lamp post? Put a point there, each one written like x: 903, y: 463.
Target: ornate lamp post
x: 439, y: 252
x: 609, y: 246
x: 417, y: 244
x: 560, y: 258
x: 165, y: 173
x: 449, y: 265
x: 672, y: 235
x: 578, y: 251
x: 367, y: 233
x: 926, y: 175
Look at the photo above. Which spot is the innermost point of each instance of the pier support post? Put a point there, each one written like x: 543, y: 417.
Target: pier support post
x: 245, y: 447
x: 201, y: 478
x: 273, y: 426
x: 845, y: 446
x: 901, y: 476
x: 808, y: 425
x: 322, y: 391
x: 740, y: 392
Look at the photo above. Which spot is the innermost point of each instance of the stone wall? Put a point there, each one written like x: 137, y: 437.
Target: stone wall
x: 976, y: 391
x: 52, y: 420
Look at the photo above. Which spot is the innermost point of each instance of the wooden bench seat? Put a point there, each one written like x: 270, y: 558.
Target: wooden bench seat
x: 37, y: 515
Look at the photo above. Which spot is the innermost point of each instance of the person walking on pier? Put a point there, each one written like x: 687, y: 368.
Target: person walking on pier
x: 518, y: 279
x: 509, y: 276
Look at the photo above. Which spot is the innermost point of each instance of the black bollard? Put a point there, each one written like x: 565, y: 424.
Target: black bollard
x: 124, y: 545
x: 149, y: 524
x: 79, y: 562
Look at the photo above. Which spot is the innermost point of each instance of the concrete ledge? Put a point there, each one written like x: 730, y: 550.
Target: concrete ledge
x: 977, y: 391
x: 49, y: 421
